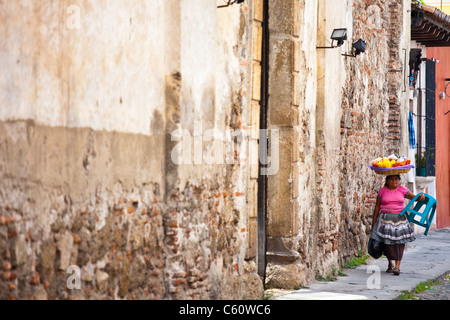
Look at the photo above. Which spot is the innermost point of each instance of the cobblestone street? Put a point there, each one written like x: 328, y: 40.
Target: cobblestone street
x: 426, y: 261
x: 439, y: 291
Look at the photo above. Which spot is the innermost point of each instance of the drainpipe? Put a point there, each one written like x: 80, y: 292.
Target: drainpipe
x: 262, y: 179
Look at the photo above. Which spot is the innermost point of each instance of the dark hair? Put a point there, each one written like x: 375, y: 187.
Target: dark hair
x: 387, y: 177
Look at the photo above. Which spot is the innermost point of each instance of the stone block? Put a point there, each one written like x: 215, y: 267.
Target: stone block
x: 18, y: 250
x: 65, y: 245
x: 296, y: 56
x: 256, y: 81
x: 254, y: 158
x: 253, y: 199
x: 297, y: 14
x: 280, y: 188
x: 101, y: 279
x: 281, y: 16
x: 47, y: 259
x: 40, y: 293
x: 285, y: 276
x: 255, y: 119
x: 295, y: 179
x: 252, y: 238
x: 281, y: 82
x: 295, y: 148
x: 257, y: 42
x: 295, y: 216
x: 296, y: 89
x: 258, y: 10
x: 295, y: 114
x: 253, y: 288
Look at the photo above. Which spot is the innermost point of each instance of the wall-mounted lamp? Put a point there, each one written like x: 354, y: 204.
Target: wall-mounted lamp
x: 229, y: 3
x: 339, y: 35
x: 358, y: 47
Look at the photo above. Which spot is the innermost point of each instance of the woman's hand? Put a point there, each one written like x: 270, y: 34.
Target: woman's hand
x: 411, y: 196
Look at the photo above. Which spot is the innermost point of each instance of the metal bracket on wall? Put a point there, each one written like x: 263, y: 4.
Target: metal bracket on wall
x: 423, y: 116
x: 229, y: 3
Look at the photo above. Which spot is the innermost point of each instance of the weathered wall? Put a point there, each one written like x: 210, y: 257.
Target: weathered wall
x: 371, y: 124
x: 90, y: 96
x: 114, y: 154
x: 292, y: 105
x: 350, y: 111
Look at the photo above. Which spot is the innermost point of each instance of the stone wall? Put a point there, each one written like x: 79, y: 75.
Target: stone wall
x: 128, y: 136
x: 291, y: 110
x: 371, y: 125
x: 95, y: 184
x: 350, y: 111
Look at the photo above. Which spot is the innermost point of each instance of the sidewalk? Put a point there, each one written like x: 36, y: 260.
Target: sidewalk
x: 424, y: 259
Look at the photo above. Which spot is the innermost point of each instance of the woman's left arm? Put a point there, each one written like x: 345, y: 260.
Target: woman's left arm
x: 411, y: 195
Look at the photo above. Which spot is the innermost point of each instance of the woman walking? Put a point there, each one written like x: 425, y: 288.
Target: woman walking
x: 388, y: 226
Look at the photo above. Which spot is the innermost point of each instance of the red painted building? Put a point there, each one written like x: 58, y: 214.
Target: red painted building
x: 442, y: 116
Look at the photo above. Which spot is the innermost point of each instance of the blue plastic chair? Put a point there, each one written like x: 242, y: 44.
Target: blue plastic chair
x: 426, y: 217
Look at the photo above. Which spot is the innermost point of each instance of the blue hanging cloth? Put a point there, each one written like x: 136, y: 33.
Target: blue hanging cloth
x: 412, y: 135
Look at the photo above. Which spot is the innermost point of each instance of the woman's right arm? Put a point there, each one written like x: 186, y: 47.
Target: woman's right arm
x: 376, y: 211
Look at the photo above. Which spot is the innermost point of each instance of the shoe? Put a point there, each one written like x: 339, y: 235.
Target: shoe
x: 390, y: 269
x: 396, y: 271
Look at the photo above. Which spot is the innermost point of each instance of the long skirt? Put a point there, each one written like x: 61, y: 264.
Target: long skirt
x: 394, y: 231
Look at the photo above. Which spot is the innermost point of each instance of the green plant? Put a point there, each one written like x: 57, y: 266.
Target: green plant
x: 421, y: 287
x: 268, y: 295
x: 421, y: 158
x: 406, y: 295
x: 354, y: 262
x: 329, y: 277
x: 339, y: 272
x: 332, y: 276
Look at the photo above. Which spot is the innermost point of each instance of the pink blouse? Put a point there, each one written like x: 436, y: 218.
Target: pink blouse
x: 392, y: 201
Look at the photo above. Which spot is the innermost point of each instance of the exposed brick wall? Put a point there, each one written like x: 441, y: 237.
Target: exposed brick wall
x: 370, y: 123
x: 370, y: 127
x: 395, y: 80
x: 128, y: 241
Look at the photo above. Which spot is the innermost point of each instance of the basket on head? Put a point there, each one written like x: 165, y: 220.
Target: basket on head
x: 392, y: 171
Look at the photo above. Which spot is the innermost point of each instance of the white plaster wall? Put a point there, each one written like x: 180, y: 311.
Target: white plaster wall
x: 405, y: 47
x: 334, y: 66
x: 339, y: 15
x: 308, y: 45
x: 198, y: 51
x: 228, y: 64
x: 94, y: 64
x: 306, y: 177
x: 102, y: 64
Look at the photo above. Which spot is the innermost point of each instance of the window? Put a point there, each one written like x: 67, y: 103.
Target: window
x: 426, y: 135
